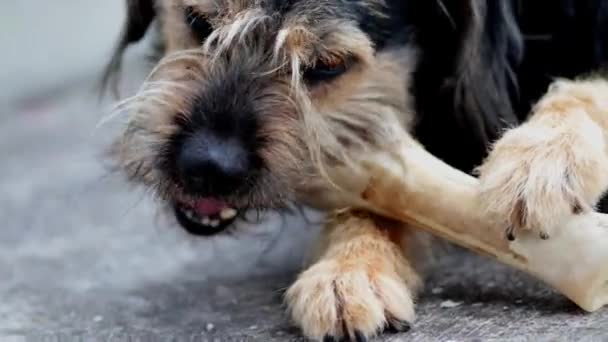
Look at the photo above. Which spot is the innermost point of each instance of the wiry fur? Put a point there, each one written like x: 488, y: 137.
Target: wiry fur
x: 448, y: 72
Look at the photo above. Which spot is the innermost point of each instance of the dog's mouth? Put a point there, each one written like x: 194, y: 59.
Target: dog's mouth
x: 205, y: 217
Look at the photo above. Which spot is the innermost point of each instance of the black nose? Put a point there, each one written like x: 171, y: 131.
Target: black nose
x: 209, y: 165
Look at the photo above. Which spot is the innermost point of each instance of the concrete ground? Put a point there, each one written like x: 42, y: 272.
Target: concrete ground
x: 85, y: 257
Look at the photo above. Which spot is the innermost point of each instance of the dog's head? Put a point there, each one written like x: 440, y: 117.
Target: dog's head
x: 251, y: 98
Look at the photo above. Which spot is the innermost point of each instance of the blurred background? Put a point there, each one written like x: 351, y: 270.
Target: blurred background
x: 50, y: 46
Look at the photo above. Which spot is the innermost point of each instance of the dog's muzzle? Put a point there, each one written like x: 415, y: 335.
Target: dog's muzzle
x: 211, y: 168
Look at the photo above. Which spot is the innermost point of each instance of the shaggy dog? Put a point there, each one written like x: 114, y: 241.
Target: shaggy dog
x: 251, y: 100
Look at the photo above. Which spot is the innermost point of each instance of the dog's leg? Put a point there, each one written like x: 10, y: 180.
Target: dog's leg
x: 361, y: 282
x: 552, y: 166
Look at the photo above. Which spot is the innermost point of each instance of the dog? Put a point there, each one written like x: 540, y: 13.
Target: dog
x: 250, y: 102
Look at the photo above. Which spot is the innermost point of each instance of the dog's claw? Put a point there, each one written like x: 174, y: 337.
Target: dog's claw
x: 578, y: 207
x: 395, y: 326
x: 510, y: 233
x: 359, y: 337
x: 544, y: 235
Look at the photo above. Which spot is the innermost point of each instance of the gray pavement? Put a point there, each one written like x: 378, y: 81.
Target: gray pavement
x: 85, y: 257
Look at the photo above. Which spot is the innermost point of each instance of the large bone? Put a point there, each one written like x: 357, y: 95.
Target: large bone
x: 411, y: 185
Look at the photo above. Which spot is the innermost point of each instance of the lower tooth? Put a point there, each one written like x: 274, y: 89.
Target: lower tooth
x: 215, y: 223
x: 228, y: 214
x: 206, y: 221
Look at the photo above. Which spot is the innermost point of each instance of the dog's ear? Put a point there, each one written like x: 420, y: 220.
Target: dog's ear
x: 485, y: 81
x: 140, y: 15
x: 466, y: 80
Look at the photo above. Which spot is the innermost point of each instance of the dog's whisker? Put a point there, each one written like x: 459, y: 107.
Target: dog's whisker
x: 107, y: 119
x: 118, y: 110
x: 165, y: 83
x: 143, y: 95
x: 273, y: 70
x: 188, y: 56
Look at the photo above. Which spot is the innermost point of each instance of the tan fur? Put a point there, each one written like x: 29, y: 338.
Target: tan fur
x: 554, y: 165
x: 361, y: 281
x: 175, y: 31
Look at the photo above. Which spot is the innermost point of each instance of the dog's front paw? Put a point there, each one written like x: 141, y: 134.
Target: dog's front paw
x: 536, y: 178
x: 333, y: 302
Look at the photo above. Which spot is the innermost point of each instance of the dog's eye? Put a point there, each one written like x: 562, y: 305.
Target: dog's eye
x: 324, y: 71
x: 199, y: 25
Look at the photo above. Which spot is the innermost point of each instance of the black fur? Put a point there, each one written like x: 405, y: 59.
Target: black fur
x: 465, y: 84
x: 568, y: 40
x: 522, y: 46
x: 200, y: 26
